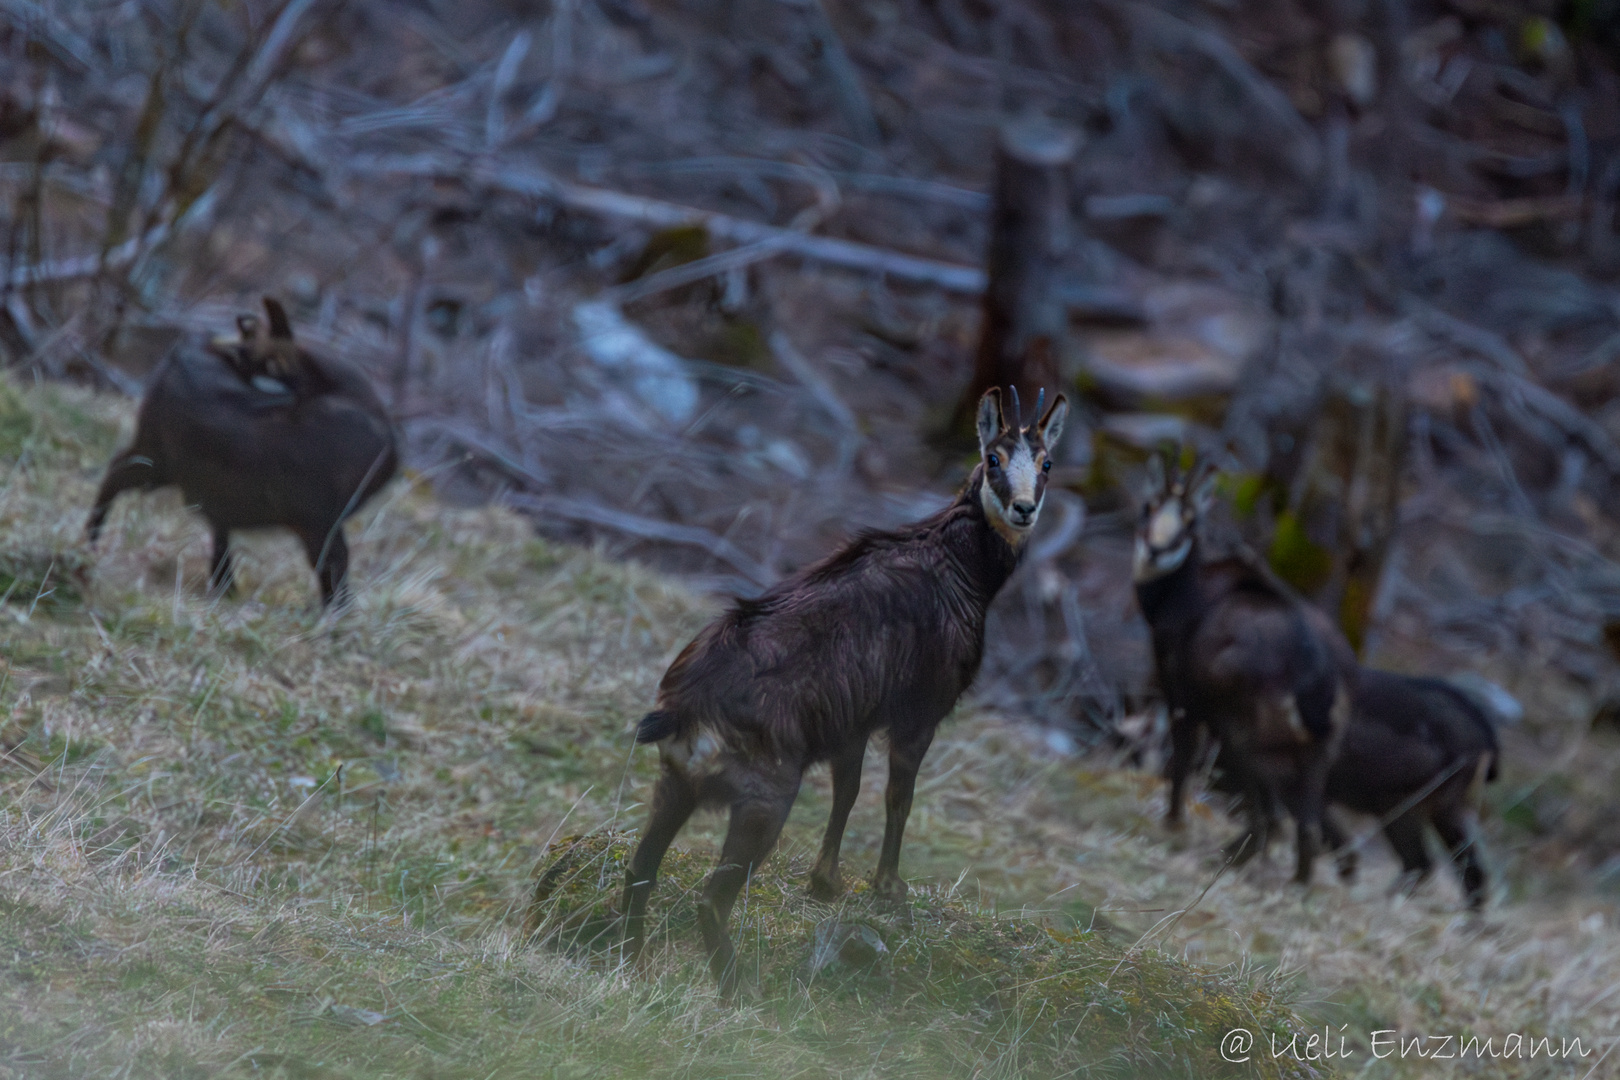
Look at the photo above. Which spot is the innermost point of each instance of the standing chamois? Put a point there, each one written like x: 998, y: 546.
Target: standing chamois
x: 305, y: 459
x: 1238, y: 655
x: 885, y: 633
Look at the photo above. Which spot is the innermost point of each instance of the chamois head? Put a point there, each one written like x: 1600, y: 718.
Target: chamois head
x: 1016, y: 461
x: 1170, y: 509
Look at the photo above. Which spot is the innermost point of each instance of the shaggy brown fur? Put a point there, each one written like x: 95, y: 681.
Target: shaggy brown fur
x: 885, y: 634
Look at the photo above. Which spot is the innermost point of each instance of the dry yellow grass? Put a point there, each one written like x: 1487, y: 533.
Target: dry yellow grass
x: 240, y: 835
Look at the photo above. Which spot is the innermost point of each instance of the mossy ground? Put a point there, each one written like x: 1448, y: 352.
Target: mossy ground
x: 241, y: 836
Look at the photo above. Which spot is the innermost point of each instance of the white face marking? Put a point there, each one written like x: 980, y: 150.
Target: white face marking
x: 1021, y: 475
x: 1165, y: 524
x: 1150, y: 557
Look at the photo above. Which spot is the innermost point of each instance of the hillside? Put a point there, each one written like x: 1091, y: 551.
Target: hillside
x: 237, y: 837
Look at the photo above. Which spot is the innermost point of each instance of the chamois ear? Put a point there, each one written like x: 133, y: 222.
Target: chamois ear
x: 280, y: 325
x: 989, y: 417
x: 1051, y: 425
x: 1155, y: 475
x: 1201, y: 485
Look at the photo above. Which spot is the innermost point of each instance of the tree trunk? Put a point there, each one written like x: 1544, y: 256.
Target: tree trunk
x: 1024, y: 322
x: 1335, y: 535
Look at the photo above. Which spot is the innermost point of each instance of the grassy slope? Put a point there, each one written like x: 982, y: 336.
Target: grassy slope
x: 237, y: 835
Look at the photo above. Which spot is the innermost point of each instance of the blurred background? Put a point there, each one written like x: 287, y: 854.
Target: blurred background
x: 707, y: 283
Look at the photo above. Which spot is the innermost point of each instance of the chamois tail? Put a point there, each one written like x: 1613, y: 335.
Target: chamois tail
x: 657, y: 726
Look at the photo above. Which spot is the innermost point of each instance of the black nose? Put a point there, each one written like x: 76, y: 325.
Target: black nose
x: 1024, y: 509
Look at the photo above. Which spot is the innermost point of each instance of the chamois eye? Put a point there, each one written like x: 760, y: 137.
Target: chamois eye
x: 994, y: 462
x: 1046, y: 466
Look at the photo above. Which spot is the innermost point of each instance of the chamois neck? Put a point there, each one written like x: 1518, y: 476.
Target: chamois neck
x: 981, y: 554
x: 1175, y: 595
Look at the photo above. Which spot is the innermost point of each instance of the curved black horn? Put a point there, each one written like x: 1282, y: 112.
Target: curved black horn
x: 1018, y: 409
x: 1040, y: 403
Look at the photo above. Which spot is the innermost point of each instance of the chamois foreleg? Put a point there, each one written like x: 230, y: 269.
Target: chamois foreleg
x: 1334, y: 836
x: 755, y: 825
x: 1183, y: 748
x: 825, y: 881
x: 1308, y: 814
x: 673, y: 801
x: 905, y: 758
x: 221, y: 572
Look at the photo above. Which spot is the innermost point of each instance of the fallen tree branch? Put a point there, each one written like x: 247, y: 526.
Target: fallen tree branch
x: 649, y: 529
x: 536, y: 184
x: 59, y: 270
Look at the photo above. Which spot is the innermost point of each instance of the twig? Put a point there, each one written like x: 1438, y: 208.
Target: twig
x: 1304, y: 153
x: 788, y: 355
x: 849, y: 92
x: 648, y: 528
x: 58, y: 270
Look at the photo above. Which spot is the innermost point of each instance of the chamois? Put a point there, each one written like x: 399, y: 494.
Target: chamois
x: 1416, y: 751
x: 306, y: 460
x: 1238, y: 654
x: 885, y: 633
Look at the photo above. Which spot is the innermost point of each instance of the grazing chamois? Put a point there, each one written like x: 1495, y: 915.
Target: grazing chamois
x: 1416, y: 751
x: 1239, y: 655
x: 1419, y: 749
x: 884, y: 634
x: 305, y: 460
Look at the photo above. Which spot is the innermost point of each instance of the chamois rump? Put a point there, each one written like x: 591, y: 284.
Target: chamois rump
x: 306, y: 459
x: 885, y: 633
x: 1417, y: 752
x: 1238, y: 655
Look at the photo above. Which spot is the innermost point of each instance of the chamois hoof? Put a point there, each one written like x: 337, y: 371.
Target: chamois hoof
x: 825, y: 889
x: 891, y: 889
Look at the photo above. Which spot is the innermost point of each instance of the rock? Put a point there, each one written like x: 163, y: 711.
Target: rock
x: 846, y: 947
x: 657, y: 376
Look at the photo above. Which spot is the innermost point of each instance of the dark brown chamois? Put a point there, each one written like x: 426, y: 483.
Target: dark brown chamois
x: 1416, y: 751
x: 1237, y: 654
x: 305, y: 460
x: 884, y: 634
x: 1419, y: 749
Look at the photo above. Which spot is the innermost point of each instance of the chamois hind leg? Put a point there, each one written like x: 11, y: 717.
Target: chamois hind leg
x: 1405, y: 835
x: 1456, y: 829
x: 329, y: 556
x: 1261, y: 804
x: 673, y: 801
x: 755, y: 825
x: 905, y: 758
x: 825, y: 881
x: 126, y: 470
x: 221, y: 568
